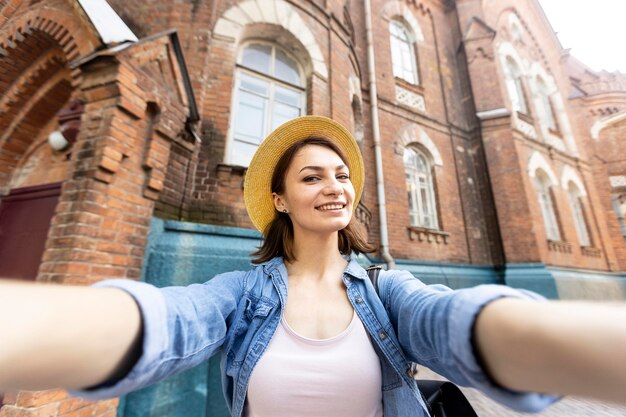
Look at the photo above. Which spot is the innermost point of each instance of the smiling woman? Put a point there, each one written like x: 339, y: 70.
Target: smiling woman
x: 304, y: 332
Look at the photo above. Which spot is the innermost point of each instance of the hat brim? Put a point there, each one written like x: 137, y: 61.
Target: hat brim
x: 258, y: 182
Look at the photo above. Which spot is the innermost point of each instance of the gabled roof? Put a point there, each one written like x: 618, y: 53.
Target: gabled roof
x: 478, y: 29
x: 110, y: 27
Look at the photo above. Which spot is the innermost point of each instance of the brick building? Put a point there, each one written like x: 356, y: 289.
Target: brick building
x: 125, y: 131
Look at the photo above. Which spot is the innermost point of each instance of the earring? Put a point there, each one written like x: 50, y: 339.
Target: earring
x: 285, y: 211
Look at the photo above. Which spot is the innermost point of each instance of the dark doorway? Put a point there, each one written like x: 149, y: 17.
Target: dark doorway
x: 25, y: 216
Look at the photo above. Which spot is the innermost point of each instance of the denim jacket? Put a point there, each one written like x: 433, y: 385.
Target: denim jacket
x: 237, y: 313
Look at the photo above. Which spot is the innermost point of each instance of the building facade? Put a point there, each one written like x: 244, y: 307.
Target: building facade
x: 491, y: 154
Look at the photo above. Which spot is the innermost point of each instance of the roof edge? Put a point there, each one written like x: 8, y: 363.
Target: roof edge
x: 109, y: 25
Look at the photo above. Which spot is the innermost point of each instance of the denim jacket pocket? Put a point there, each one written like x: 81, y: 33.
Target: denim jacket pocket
x: 246, y: 326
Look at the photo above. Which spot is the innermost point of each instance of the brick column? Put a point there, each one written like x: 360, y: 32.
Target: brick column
x: 100, y: 227
x: 101, y: 223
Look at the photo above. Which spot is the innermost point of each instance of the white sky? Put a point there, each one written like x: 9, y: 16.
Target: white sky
x: 594, y: 30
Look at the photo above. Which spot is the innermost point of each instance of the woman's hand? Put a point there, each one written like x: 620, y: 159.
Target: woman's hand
x: 60, y: 336
x: 558, y: 347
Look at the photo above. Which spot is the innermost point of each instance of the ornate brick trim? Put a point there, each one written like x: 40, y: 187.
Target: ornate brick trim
x: 60, y: 26
x: 592, y: 252
x: 559, y: 246
x: 428, y: 235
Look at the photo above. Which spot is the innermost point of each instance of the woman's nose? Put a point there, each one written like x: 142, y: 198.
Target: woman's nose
x: 333, y: 187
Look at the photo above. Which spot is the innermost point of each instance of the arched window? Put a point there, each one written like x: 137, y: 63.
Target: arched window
x: 546, y: 110
x: 403, y: 53
x: 515, y: 86
x: 269, y: 90
x: 575, y: 196
x: 546, y: 203
x: 420, y: 188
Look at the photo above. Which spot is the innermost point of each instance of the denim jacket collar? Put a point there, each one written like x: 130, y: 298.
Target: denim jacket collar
x: 353, y: 269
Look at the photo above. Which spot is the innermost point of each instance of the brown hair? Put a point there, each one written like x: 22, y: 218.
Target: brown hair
x: 279, y: 233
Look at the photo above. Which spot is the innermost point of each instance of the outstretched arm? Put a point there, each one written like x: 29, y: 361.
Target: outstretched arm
x: 73, y: 337
x: 570, y: 348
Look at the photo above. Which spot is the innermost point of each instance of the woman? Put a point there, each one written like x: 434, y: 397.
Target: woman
x: 304, y: 332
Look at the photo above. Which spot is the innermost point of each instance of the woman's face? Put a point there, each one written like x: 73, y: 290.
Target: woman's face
x: 319, y: 195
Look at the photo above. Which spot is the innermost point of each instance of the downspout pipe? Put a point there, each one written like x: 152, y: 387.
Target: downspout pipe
x: 380, y: 179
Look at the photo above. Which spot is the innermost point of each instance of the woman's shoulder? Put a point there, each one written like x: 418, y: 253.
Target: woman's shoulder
x: 251, y: 280
x: 241, y: 276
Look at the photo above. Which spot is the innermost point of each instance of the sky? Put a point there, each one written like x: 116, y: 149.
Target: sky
x: 594, y: 31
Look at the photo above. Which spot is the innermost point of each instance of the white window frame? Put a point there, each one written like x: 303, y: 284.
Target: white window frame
x: 546, y: 204
x: 422, y: 210
x: 515, y: 86
x: 548, y: 115
x: 403, y: 69
x: 229, y: 158
x: 574, y: 195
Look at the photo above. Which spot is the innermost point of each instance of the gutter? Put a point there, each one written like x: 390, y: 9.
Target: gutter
x: 380, y: 180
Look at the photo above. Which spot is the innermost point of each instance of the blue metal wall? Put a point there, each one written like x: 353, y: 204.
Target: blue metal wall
x: 181, y: 253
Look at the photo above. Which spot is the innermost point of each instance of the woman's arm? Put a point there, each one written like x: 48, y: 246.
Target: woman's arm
x: 73, y: 337
x: 570, y: 348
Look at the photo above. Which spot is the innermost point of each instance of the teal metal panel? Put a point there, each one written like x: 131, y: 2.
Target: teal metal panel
x: 181, y: 253
x: 452, y: 275
x: 531, y: 276
x: 579, y: 284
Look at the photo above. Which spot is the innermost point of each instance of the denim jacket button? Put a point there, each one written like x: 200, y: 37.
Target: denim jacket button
x: 382, y: 335
x: 359, y: 300
x: 348, y: 279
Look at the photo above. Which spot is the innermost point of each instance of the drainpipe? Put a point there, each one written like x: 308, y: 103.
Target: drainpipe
x: 380, y: 180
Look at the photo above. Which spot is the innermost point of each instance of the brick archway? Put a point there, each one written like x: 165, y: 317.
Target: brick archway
x: 38, y: 47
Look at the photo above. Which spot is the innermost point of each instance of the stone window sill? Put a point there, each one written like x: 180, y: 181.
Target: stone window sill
x: 556, y: 133
x: 422, y: 234
x: 416, y: 88
x: 590, y: 251
x: 559, y: 246
x: 525, y: 117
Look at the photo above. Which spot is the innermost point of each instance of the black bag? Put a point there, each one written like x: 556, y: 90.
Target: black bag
x: 443, y: 398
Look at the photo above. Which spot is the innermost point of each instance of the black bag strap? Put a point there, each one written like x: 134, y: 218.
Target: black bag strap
x: 373, y: 271
x: 442, y: 398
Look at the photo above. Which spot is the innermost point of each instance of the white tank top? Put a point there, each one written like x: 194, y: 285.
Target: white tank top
x: 302, y: 377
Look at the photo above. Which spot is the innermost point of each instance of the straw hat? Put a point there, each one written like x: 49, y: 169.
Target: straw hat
x: 258, y: 183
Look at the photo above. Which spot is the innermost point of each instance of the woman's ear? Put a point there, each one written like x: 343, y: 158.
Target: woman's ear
x: 279, y: 203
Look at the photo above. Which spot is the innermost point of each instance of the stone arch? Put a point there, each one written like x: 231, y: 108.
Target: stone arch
x: 515, y: 27
x: 537, y: 71
x: 569, y: 175
x: 510, y: 16
x: 229, y: 26
x: 356, y: 100
x: 506, y: 50
x: 415, y: 134
x: 393, y: 9
x: 537, y: 161
x: 354, y: 87
x: 605, y: 122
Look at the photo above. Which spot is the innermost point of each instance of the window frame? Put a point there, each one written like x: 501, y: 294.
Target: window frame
x: 273, y: 82
x: 578, y: 214
x: 520, y: 104
x: 548, y: 115
x: 414, y: 190
x: 410, y: 43
x: 547, y: 206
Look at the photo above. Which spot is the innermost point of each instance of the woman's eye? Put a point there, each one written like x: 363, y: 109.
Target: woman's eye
x: 343, y: 177
x: 309, y: 179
